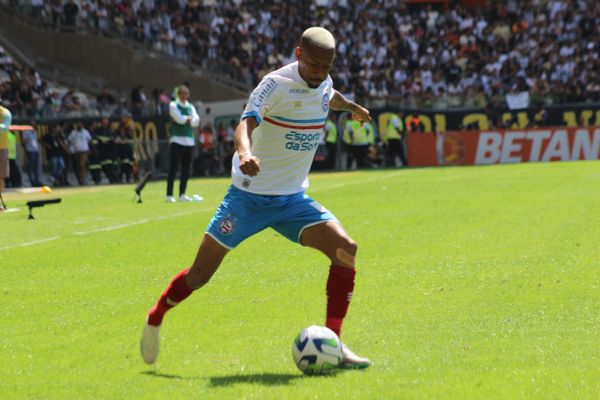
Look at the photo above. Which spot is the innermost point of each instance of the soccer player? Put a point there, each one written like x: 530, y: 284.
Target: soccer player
x: 276, y: 140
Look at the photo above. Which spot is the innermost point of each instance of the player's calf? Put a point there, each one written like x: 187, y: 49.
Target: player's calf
x: 177, y: 291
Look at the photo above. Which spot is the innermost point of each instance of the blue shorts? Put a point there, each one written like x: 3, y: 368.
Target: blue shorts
x: 242, y: 214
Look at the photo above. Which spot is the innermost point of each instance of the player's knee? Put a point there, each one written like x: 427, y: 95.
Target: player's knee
x: 350, y: 245
x: 346, y: 252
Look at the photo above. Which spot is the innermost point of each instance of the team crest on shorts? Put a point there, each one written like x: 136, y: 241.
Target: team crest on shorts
x: 226, y: 225
x: 325, y: 102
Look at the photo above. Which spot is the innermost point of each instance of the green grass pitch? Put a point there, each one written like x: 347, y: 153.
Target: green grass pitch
x: 473, y: 283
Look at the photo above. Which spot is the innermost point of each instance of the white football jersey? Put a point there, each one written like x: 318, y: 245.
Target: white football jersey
x: 291, y: 118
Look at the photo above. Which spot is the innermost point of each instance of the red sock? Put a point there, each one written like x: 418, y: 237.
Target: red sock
x: 339, y: 292
x: 175, y: 293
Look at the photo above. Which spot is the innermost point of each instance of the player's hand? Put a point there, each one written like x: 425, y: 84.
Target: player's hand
x: 249, y: 165
x: 361, y: 114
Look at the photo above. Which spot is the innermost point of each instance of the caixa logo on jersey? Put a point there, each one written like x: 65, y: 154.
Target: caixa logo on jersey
x: 325, y: 102
x: 265, y: 91
x: 226, y: 225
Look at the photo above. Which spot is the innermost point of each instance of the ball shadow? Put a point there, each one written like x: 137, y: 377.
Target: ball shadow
x: 266, y: 379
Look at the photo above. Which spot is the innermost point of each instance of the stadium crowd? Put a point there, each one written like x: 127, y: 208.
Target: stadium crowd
x: 515, y: 53
x: 28, y: 95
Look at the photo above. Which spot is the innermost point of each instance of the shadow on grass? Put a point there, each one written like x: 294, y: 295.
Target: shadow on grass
x: 171, y: 376
x: 266, y: 379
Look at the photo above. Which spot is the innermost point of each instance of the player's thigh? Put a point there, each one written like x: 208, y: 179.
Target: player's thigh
x: 300, y: 213
x: 237, y: 218
x: 331, y: 239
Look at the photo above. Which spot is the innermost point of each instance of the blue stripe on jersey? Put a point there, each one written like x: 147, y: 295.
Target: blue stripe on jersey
x: 252, y: 114
x: 299, y: 121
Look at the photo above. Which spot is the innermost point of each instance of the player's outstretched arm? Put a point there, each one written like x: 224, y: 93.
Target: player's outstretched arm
x: 340, y: 103
x: 249, y: 164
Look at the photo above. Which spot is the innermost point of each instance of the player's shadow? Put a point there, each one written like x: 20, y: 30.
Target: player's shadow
x: 266, y: 379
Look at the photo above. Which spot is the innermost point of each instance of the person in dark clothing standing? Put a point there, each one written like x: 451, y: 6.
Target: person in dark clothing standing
x: 54, y: 147
x: 106, y: 147
x: 184, y: 119
x: 138, y: 101
x: 70, y: 10
x: 94, y: 159
x: 124, y: 141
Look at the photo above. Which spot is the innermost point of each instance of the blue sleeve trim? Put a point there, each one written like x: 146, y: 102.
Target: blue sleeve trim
x: 252, y: 114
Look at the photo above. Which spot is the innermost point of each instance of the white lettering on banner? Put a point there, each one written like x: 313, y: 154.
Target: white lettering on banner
x: 545, y: 145
x: 589, y: 146
x: 510, y: 146
x: 558, y: 147
x: 488, y: 148
x: 537, y: 137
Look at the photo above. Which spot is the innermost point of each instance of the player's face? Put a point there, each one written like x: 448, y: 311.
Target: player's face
x: 314, y: 64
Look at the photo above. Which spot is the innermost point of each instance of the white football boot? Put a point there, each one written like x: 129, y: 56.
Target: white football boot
x: 171, y: 199
x: 185, y: 199
x: 352, y: 361
x: 150, y: 343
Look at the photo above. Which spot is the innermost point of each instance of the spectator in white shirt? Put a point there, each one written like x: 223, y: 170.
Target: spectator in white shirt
x: 79, y: 144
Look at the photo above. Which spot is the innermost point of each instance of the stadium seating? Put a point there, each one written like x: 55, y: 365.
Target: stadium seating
x: 28, y: 95
x: 515, y: 52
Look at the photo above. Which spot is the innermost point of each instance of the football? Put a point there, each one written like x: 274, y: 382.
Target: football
x: 317, y: 350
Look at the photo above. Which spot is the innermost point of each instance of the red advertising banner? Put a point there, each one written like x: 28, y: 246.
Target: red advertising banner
x: 503, y: 146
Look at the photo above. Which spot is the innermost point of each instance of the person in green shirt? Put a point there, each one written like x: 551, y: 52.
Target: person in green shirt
x: 393, y: 140
x: 360, y: 136
x: 15, y: 179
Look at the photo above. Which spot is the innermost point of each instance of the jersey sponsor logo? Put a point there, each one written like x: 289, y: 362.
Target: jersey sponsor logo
x: 226, y: 225
x: 299, y: 91
x: 246, y: 183
x: 297, y: 141
x: 269, y: 86
x: 325, y: 102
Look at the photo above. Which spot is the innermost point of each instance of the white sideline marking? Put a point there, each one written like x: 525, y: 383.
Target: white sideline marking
x: 30, y: 243
x: 358, y: 181
x: 112, y: 228
x: 10, y: 210
x: 144, y: 221
x: 104, y: 229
